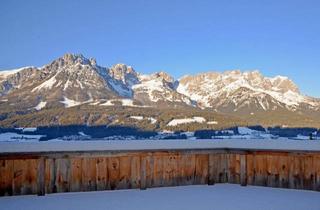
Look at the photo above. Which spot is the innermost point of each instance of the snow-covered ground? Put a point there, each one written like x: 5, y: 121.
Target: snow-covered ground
x: 131, y: 145
x: 176, y: 122
x: 123, y: 102
x: 219, y: 196
x: 41, y: 105
x: 9, y: 137
x: 151, y: 119
x: 245, y: 133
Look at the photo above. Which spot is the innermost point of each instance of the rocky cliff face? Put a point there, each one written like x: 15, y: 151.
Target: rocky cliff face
x: 235, y: 90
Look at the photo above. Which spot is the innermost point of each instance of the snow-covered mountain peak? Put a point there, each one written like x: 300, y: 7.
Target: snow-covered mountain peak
x: 75, y: 58
x: 124, y: 73
x: 213, y: 89
x: 80, y: 79
x: 72, y: 63
x: 6, y: 73
x: 163, y: 75
x: 284, y: 84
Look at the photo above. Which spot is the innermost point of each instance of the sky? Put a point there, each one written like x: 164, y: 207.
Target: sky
x: 277, y: 37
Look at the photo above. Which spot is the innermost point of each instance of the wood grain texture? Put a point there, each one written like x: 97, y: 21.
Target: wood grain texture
x: 126, y: 170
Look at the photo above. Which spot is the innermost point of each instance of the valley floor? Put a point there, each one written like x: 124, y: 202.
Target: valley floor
x: 219, y: 196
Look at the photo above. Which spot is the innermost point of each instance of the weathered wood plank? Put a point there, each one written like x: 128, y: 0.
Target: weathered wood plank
x: 284, y: 171
x: 89, y: 176
x: 201, y: 173
x: 295, y: 181
x: 143, y: 172
x: 260, y: 170
x: 149, y: 170
x: 135, y: 172
x: 124, y: 173
x: 102, y: 173
x: 223, y: 168
x: 76, y: 175
x: 187, y: 167
x: 234, y: 168
x: 157, y: 171
x: 250, y: 169
x: 317, y: 172
x: 63, y: 172
x: 32, y: 175
x: 20, y: 169
x: 6, y: 177
x: 49, y: 176
x: 113, y: 172
x: 170, y: 167
x: 41, y: 176
x: 213, y: 169
x: 243, y: 170
x: 308, y: 173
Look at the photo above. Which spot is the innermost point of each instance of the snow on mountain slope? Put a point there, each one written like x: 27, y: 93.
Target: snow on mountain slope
x: 218, y: 90
x: 75, y: 80
x: 176, y: 122
x: 5, y: 73
x: 158, y: 87
x: 48, y: 84
x: 119, y: 102
x: 71, y: 103
x: 41, y: 105
x: 124, y: 77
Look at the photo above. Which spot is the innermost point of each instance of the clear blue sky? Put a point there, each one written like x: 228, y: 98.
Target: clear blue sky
x: 278, y: 37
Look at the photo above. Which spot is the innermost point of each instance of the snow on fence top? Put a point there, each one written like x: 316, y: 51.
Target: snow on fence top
x: 147, y: 145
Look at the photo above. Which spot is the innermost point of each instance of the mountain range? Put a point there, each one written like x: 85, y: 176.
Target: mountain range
x: 76, y: 90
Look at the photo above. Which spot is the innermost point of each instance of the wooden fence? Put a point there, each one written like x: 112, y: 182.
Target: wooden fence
x: 40, y: 173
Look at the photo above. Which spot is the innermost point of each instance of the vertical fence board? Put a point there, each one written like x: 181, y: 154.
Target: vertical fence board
x: 201, y: 173
x: 223, y: 168
x: 284, y: 171
x: 187, y: 165
x: 135, y: 172
x: 292, y: 172
x: 32, y: 175
x: 143, y: 172
x: 19, y: 177
x: 170, y: 169
x: 234, y: 168
x: 88, y: 174
x: 250, y: 169
x: 260, y: 168
x: 41, y: 176
x: 213, y: 173
x: 113, y: 172
x: 63, y: 178
x: 149, y: 170
x: 76, y: 175
x: 102, y: 173
x: 317, y: 172
x: 124, y: 172
x: 6, y: 177
x: 157, y: 171
x: 309, y: 176
x: 49, y: 171
x: 243, y: 170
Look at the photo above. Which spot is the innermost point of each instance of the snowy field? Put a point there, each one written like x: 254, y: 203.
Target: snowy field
x: 81, y: 133
x: 219, y: 196
x: 132, y: 145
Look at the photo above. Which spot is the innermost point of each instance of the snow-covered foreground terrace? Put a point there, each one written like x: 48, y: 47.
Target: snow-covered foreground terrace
x: 219, y: 196
x: 132, y: 145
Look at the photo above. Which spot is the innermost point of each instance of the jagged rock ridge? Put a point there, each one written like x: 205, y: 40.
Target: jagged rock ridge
x: 73, y: 80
